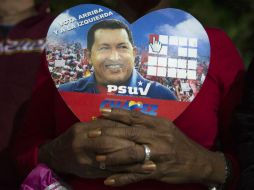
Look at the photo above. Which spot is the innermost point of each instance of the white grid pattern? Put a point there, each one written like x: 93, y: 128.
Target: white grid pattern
x: 182, y: 65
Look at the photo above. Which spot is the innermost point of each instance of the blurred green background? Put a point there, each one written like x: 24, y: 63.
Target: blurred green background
x: 235, y: 17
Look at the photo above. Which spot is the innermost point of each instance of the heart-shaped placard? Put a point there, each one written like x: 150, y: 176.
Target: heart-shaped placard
x: 156, y: 65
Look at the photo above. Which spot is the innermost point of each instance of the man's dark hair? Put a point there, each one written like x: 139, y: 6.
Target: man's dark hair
x: 106, y: 24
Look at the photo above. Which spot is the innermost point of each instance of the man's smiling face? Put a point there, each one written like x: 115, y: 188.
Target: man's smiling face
x: 112, y: 56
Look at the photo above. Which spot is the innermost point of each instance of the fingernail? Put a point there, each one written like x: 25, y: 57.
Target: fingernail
x: 94, y: 133
x: 149, y: 167
x: 100, y: 158
x: 105, y: 111
x: 109, y: 182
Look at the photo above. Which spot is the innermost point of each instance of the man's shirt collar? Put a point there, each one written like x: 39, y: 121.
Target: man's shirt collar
x: 130, y: 82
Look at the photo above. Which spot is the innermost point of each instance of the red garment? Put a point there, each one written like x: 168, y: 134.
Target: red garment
x: 19, y: 61
x: 20, y: 56
x: 206, y: 118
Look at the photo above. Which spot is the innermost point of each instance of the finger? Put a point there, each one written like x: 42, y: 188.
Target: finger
x: 145, y: 168
x: 94, y: 128
x: 101, y: 122
x: 106, y: 144
x: 141, y: 137
x: 128, y: 117
x: 138, y: 119
x: 136, y: 134
x: 129, y: 155
x: 124, y: 179
x: 154, y: 40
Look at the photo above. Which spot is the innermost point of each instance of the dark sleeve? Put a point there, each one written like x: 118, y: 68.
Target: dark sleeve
x: 37, y: 126
x: 45, y: 111
x: 244, y: 132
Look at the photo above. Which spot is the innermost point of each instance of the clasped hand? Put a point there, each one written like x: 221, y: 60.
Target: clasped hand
x: 117, y: 140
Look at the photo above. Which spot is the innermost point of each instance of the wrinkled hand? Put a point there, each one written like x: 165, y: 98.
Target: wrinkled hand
x: 74, y: 151
x: 178, y: 159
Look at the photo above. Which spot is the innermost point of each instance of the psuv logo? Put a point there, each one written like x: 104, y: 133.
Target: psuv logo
x: 150, y: 109
x: 129, y: 90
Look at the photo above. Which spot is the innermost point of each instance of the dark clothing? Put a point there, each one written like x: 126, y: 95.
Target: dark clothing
x: 20, y: 56
x: 88, y: 84
x: 21, y: 48
x: 5, y: 29
x: 244, y: 132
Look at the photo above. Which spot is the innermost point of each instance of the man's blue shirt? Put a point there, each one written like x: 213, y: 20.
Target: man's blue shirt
x: 136, y: 84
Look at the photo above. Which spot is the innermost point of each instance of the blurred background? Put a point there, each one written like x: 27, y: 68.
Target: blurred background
x: 235, y: 17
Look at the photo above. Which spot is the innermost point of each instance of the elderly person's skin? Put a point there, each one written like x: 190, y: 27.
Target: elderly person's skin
x: 117, y: 140
x: 177, y: 159
x: 74, y: 151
